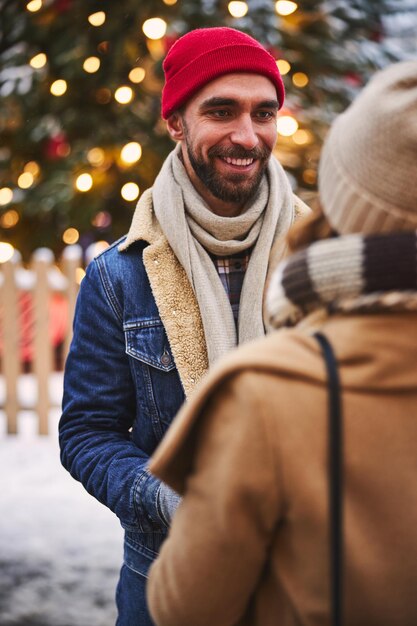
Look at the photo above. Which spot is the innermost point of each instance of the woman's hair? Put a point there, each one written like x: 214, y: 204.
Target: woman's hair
x: 310, y: 229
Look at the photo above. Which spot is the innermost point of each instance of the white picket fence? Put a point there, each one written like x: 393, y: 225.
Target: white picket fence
x: 28, y: 298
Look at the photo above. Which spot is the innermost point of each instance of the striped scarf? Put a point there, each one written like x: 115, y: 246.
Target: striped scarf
x: 345, y: 274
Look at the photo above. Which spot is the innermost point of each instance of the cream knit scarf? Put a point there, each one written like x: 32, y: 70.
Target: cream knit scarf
x: 192, y: 229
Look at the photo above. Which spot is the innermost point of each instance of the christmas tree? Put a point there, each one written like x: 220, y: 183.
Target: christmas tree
x: 80, y: 129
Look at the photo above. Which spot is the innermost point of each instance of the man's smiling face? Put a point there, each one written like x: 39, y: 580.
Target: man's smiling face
x: 228, y: 130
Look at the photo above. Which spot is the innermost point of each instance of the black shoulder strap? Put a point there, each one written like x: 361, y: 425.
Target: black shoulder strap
x: 335, y: 480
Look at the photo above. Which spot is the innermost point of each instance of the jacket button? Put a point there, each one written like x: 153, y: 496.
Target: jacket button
x: 165, y: 359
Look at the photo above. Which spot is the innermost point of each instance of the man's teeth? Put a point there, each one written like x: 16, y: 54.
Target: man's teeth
x: 242, y: 162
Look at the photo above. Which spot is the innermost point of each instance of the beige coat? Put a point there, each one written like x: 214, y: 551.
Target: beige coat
x: 249, y: 543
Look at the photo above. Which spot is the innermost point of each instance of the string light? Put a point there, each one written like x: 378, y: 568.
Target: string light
x: 6, y: 251
x: 300, y: 79
x: 123, y: 95
x: 58, y: 87
x: 34, y: 5
x: 9, y: 219
x: 38, y: 61
x: 84, y: 182
x: 70, y: 236
x: 287, y: 125
x: 285, y: 7
x: 130, y: 191
x: 6, y: 196
x: 131, y: 152
x: 91, y: 65
x: 96, y: 156
x: 301, y: 137
x: 237, y: 8
x: 97, y: 19
x: 283, y: 66
x: 33, y: 168
x: 170, y: 2
x: 137, y: 75
x: 154, y: 28
x: 25, y: 180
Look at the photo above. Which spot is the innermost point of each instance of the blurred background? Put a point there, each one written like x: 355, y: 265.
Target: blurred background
x: 80, y: 139
x: 80, y: 82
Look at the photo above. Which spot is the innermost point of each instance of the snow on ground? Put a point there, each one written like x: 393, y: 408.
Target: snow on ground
x: 60, y: 550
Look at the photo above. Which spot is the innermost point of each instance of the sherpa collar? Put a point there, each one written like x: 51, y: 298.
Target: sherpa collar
x: 345, y: 274
x: 173, y: 295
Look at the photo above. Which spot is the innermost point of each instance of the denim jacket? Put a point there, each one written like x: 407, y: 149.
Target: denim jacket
x: 126, y: 376
x: 138, y: 350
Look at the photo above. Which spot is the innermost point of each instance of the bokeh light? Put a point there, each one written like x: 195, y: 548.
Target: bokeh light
x: 9, y: 219
x: 70, y: 236
x: 285, y: 7
x: 96, y: 156
x: 6, y: 251
x: 237, y: 8
x: 300, y: 79
x: 131, y: 152
x: 6, y: 196
x: 123, y: 95
x: 302, y: 137
x: 137, y: 75
x: 154, y: 28
x: 84, y: 182
x: 130, y: 191
x: 25, y: 180
x: 34, y: 5
x: 283, y: 66
x: 58, y: 87
x: 38, y: 61
x: 97, y: 19
x: 91, y: 65
x: 287, y: 125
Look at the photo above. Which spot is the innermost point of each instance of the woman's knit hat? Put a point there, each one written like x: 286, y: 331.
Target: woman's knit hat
x: 204, y: 54
x: 368, y: 165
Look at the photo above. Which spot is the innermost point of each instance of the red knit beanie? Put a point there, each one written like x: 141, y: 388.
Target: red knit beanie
x: 204, y: 54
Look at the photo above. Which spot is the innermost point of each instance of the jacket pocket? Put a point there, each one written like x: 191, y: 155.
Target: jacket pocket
x: 148, y: 343
x: 159, y: 390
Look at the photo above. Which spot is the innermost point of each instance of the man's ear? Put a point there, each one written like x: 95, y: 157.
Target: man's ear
x: 175, y: 126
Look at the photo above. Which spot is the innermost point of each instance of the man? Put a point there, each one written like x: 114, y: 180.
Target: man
x: 184, y: 287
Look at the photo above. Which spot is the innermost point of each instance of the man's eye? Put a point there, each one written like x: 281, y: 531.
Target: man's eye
x: 220, y: 113
x: 266, y: 115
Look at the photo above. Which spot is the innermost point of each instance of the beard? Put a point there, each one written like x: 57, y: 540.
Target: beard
x: 237, y: 187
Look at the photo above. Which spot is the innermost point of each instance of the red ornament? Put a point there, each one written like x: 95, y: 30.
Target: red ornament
x: 57, y: 147
x: 353, y: 79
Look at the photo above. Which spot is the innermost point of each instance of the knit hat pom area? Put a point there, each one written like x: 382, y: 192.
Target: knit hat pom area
x: 368, y: 165
x: 204, y: 54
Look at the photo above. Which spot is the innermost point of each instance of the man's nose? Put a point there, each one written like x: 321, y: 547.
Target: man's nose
x: 244, y: 133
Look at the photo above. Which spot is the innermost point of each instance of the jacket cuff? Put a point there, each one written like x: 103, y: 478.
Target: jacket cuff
x: 168, y: 501
x: 146, y: 502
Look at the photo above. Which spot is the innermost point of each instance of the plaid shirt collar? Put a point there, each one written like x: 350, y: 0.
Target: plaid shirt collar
x: 231, y: 271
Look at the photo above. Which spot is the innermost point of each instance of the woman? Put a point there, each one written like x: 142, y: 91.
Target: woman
x: 249, y: 543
